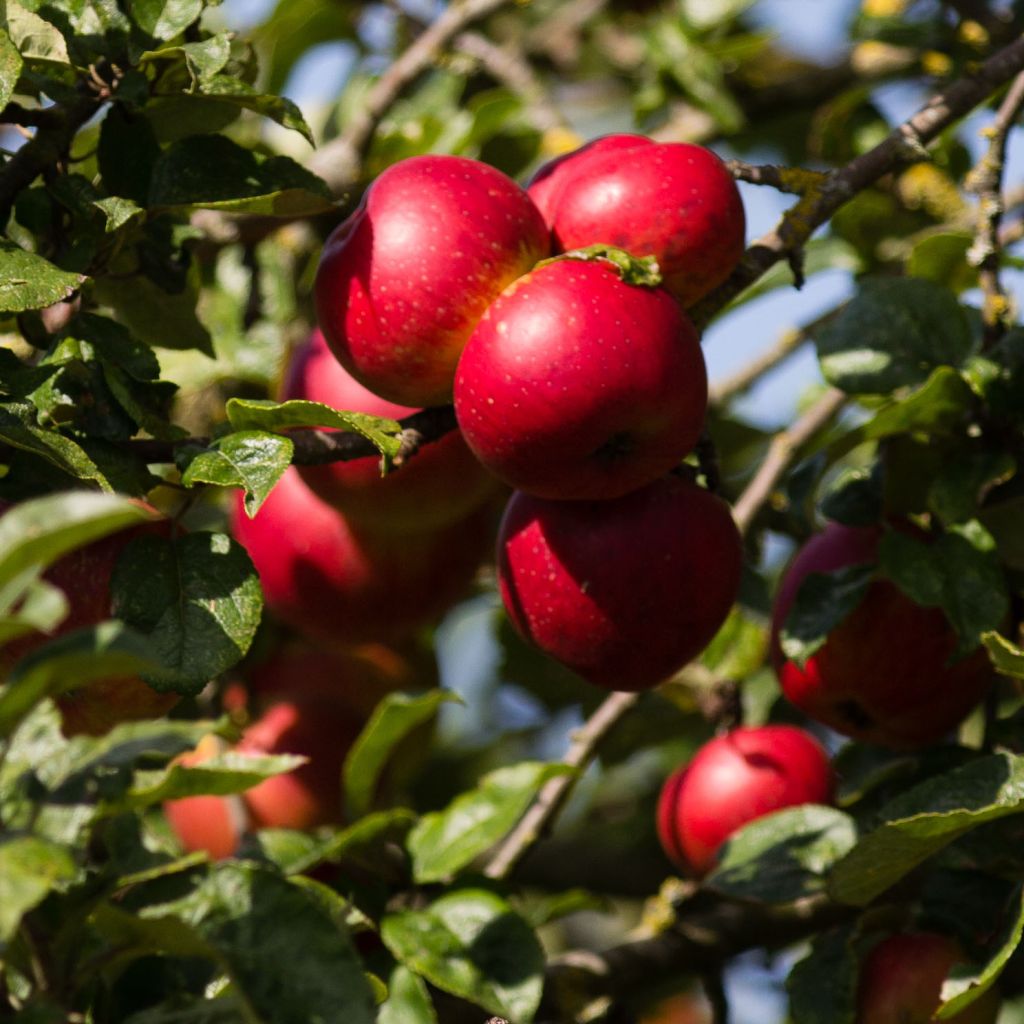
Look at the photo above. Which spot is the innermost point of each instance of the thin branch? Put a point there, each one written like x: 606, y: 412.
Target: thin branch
x: 784, y: 449
x: 708, y: 930
x: 986, y: 182
x: 510, y: 67
x: 555, y: 792
x: 905, y: 145
x: 45, y: 149
x: 340, y: 161
x: 794, y: 180
x: 319, y: 447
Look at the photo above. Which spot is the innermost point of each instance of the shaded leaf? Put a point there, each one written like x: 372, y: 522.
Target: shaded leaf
x: 213, y: 172
x: 164, y: 19
x: 784, y: 856
x: 470, y: 943
x: 822, y: 602
x: 445, y: 841
x: 229, y: 89
x: 394, y: 718
x: 257, y: 922
x: 119, y: 212
x: 958, y: 572
x: 924, y: 820
x: 252, y: 459
x: 822, y: 986
x: 966, y: 984
x: 197, y: 600
x: 30, y: 868
x: 204, y: 59
x: 894, y: 332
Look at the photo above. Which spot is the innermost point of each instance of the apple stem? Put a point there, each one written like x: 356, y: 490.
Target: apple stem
x: 642, y: 271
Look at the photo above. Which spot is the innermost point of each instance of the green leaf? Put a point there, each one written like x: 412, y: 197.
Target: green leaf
x: 35, y: 533
x: 203, y: 59
x: 822, y: 986
x: 211, y: 171
x: 445, y: 841
x: 958, y: 572
x: 30, y: 868
x: 252, y: 459
x: 855, y: 497
x: 262, y: 414
x: 36, y: 40
x: 1008, y: 658
x: 10, y: 67
x: 164, y: 19
x: 41, y: 608
x: 229, y: 89
x: 197, y: 600
x: 119, y: 212
x: 738, y: 648
x: 295, y: 852
x: 892, y: 334
x: 106, y: 651
x: 822, y: 602
x: 784, y: 856
x: 937, y: 407
x: 283, y: 952
x: 408, y: 1000
x: 942, y: 257
x: 394, y: 718
x: 965, y: 985
x: 229, y: 773
x: 155, y: 316
x: 58, y: 450
x: 28, y: 281
x: 924, y: 820
x: 956, y: 492
x: 470, y: 943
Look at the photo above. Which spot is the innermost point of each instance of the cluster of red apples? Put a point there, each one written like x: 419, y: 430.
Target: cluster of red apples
x: 572, y: 384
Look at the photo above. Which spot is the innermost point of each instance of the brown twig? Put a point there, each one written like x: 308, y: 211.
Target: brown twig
x: 555, y: 792
x: 510, y: 67
x: 794, y: 180
x: 340, y: 161
x: 986, y: 182
x: 904, y: 145
x: 784, y: 448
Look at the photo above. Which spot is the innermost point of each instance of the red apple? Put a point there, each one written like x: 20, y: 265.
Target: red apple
x: 733, y: 780
x: 342, y: 586
x: 443, y: 482
x: 887, y: 673
x: 210, y: 823
x: 404, y: 280
x: 316, y: 727
x: 578, y: 385
x: 901, y: 982
x: 623, y: 592
x: 674, y: 201
x: 84, y: 576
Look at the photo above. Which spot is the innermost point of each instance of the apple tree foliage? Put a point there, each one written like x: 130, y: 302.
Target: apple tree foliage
x: 162, y: 207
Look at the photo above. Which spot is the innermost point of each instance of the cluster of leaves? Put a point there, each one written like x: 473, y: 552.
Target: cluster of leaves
x: 117, y: 303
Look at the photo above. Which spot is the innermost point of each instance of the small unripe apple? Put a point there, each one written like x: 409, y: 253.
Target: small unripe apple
x: 901, y: 982
x: 403, y: 281
x: 734, y: 779
x: 441, y: 483
x: 84, y: 576
x: 317, y: 728
x: 888, y: 673
x: 578, y: 385
x: 623, y: 592
x: 341, y: 585
x: 674, y: 201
